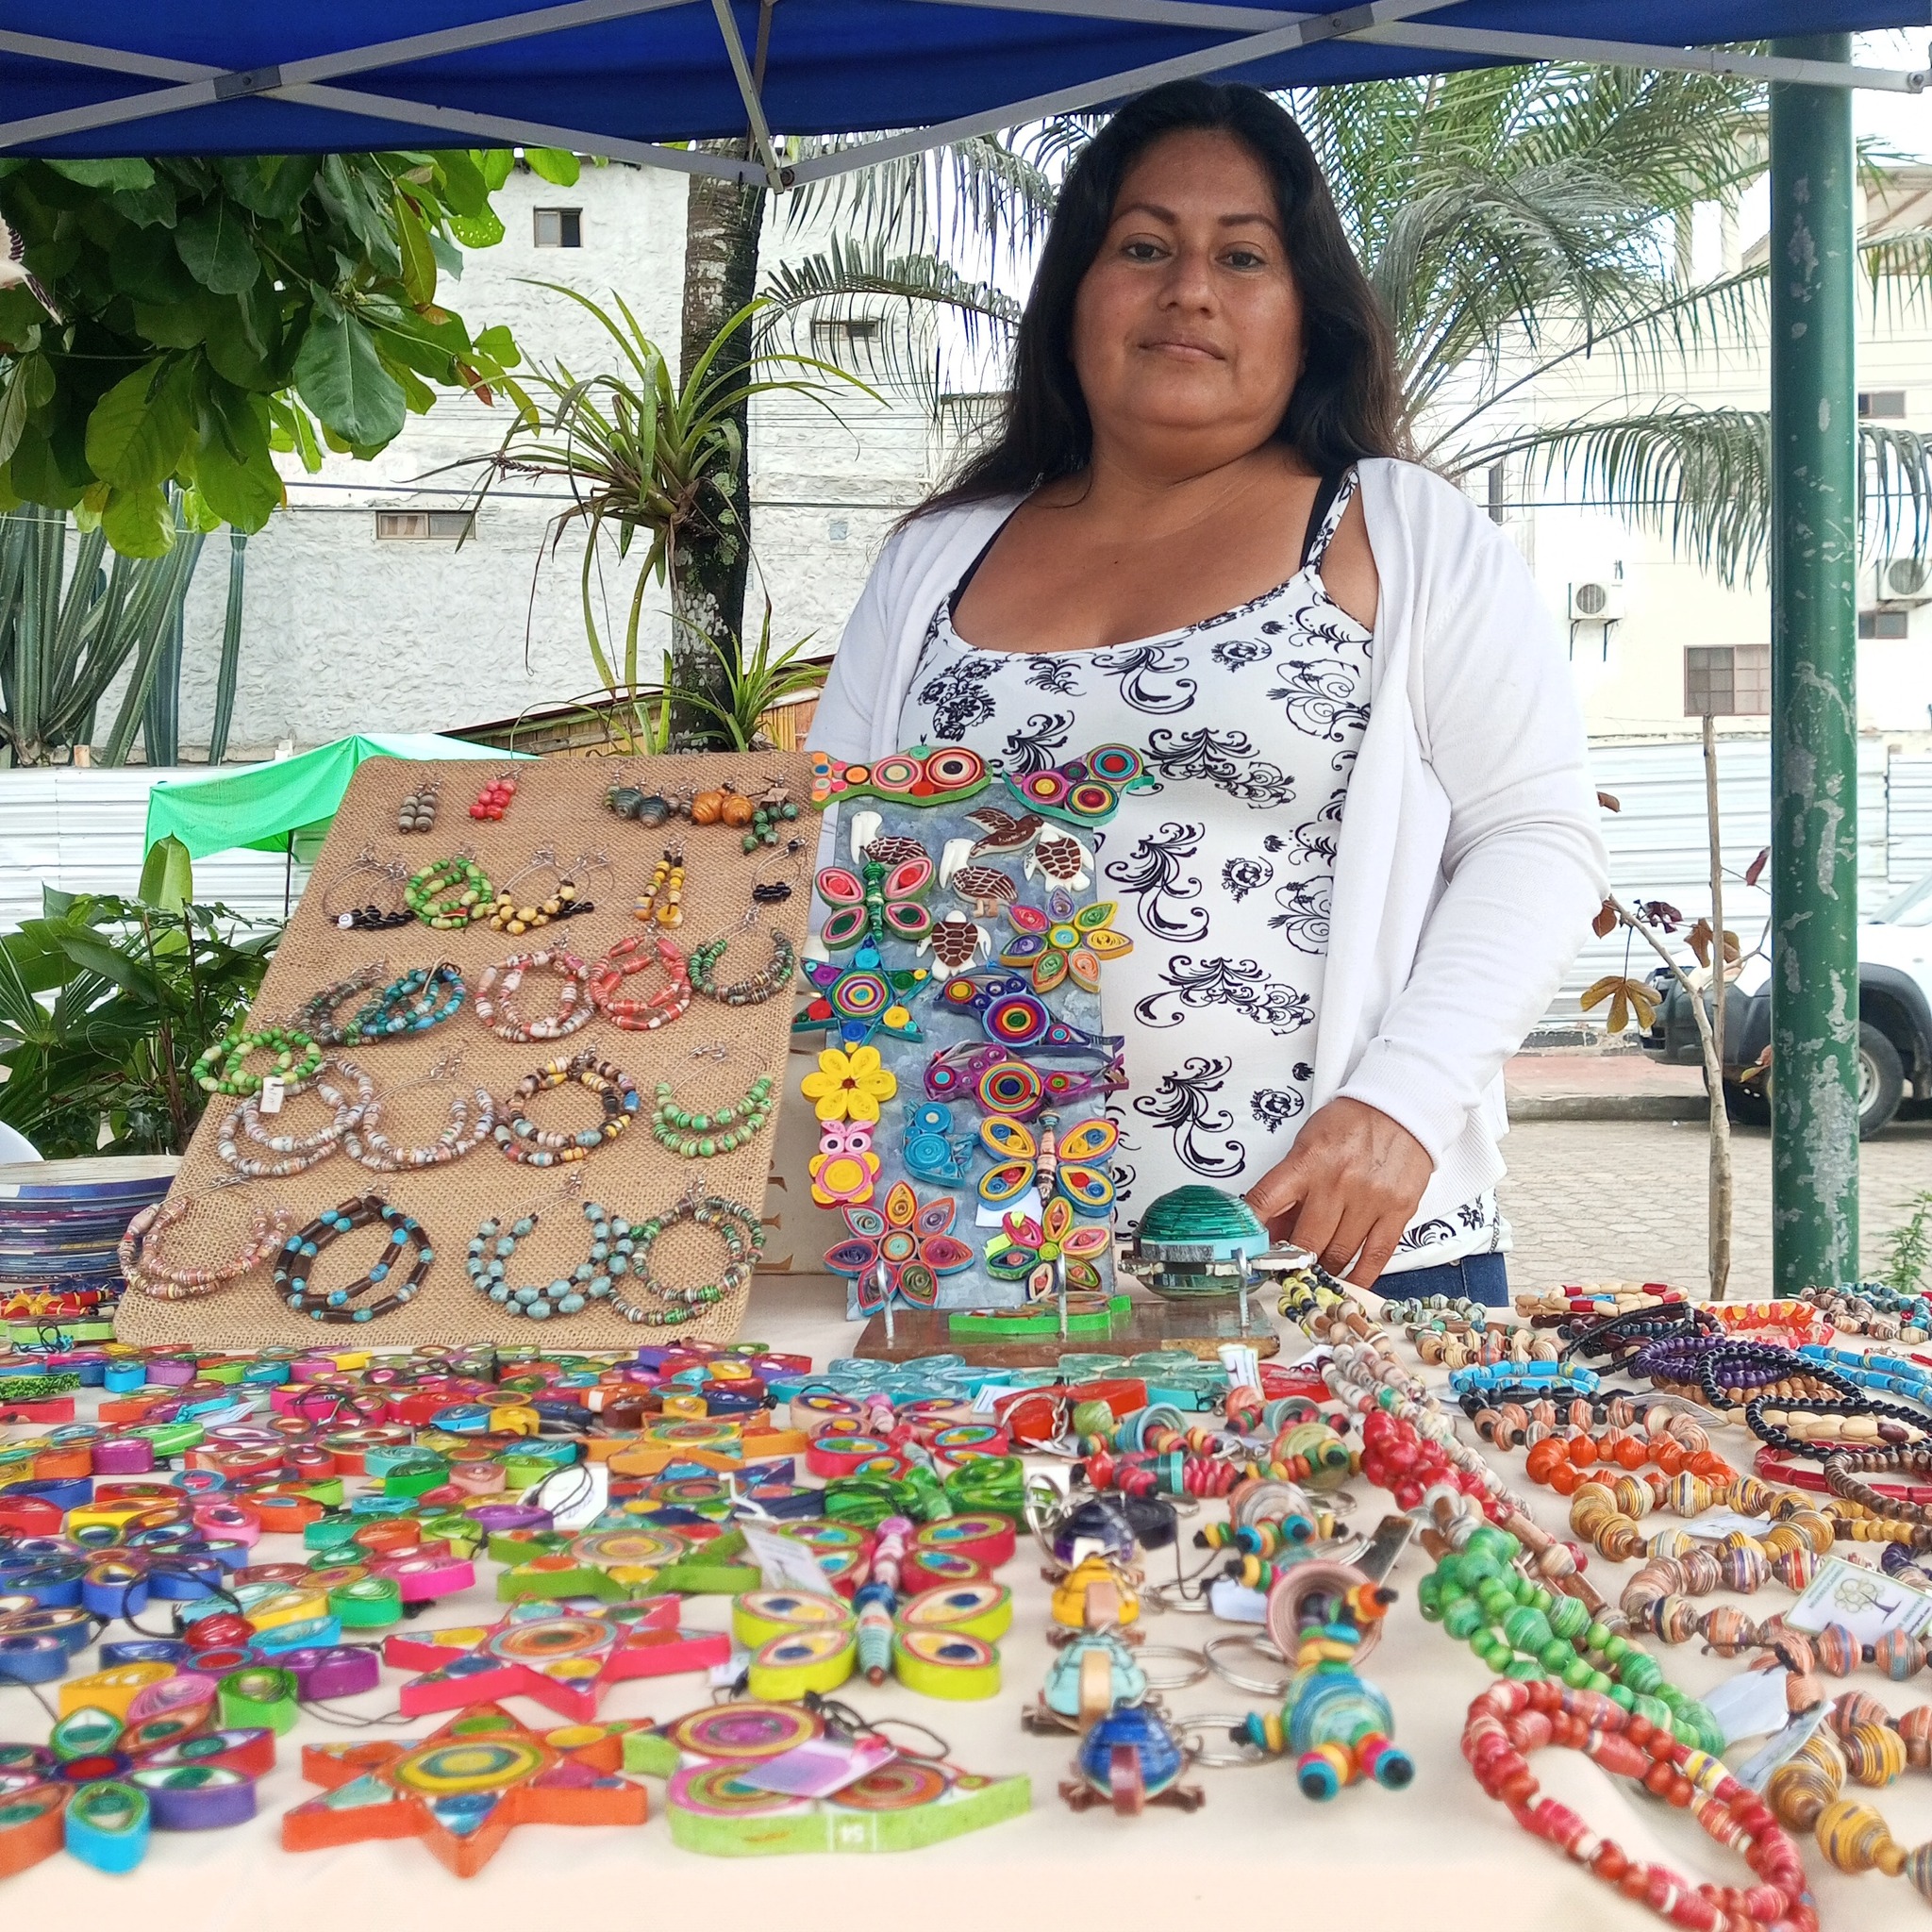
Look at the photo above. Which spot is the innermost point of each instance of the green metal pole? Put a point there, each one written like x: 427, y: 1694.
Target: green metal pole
x: 1814, y: 826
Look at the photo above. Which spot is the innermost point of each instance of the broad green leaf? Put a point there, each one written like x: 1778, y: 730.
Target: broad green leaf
x: 172, y: 325
x: 138, y: 430
x: 500, y: 345
x: 138, y: 522
x: 143, y: 264
x: 167, y: 875
x: 243, y: 491
x: 217, y: 247
x: 464, y: 186
x: 151, y: 206
x: 477, y: 231
x: 419, y: 261
x: 497, y: 163
x: 556, y: 165
x: 125, y: 173
x: 339, y: 375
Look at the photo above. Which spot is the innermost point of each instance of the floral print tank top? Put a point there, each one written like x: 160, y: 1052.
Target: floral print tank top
x: 1249, y: 721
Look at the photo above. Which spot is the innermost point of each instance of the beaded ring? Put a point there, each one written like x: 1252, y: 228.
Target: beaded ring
x: 699, y: 1136
x: 370, y: 918
x: 336, y: 1305
x: 316, y: 1015
x: 492, y: 1246
x: 770, y: 980
x: 448, y: 894
x: 237, y: 1043
x: 423, y: 997
x: 616, y: 1092
x: 739, y: 1227
x: 472, y: 1117
x: 499, y: 985
x: 143, y: 1268
x: 635, y: 954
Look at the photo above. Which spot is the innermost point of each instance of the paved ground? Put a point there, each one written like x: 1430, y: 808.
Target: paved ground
x: 1608, y: 1200
x: 1586, y: 1083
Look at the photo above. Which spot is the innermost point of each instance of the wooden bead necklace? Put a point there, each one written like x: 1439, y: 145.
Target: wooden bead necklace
x: 499, y: 985
x: 221, y: 1069
x: 699, y: 1134
x: 343, y: 1304
x: 370, y: 917
x: 661, y: 902
x: 635, y: 954
x: 739, y: 1227
x: 142, y: 1267
x: 1510, y: 1720
x: 617, y: 1094
x: 450, y: 892
x: 1856, y: 1428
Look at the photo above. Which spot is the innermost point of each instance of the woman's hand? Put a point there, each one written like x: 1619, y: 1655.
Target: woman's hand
x: 1348, y: 1188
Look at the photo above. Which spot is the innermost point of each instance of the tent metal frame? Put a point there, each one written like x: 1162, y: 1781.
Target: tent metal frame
x: 1259, y: 34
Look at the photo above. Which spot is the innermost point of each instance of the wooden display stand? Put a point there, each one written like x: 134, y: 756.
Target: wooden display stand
x: 1148, y: 1326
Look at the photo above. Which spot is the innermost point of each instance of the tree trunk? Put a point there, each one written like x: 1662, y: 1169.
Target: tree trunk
x: 1719, y: 1115
x: 723, y: 222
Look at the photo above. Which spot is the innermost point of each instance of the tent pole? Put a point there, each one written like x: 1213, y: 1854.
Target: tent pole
x: 1814, y: 750
x: 289, y: 880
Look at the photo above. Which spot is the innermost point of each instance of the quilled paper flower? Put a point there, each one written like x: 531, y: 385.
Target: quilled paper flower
x: 909, y: 1243
x: 849, y: 1086
x: 1027, y: 1247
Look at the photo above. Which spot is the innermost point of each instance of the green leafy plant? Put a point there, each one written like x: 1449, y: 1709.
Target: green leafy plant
x: 645, y: 456
x: 105, y: 1004
x: 745, y: 688
x: 1908, y: 1247
x: 183, y: 318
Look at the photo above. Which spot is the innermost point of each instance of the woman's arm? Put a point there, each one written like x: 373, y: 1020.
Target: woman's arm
x: 843, y: 724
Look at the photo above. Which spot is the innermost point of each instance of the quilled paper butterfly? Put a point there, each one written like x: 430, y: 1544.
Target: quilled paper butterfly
x: 879, y: 900
x: 1061, y: 942
x: 1058, y: 1163
x: 1082, y: 791
x: 923, y: 775
x: 900, y: 1253
x: 1027, y: 1249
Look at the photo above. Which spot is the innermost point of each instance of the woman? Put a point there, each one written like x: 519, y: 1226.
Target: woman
x: 1373, y: 850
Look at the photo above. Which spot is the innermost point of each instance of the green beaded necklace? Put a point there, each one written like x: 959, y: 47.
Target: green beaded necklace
x: 718, y: 1129
x: 1522, y: 1629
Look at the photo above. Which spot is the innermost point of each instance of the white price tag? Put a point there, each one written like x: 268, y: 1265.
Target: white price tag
x: 1721, y: 1522
x: 1750, y: 1705
x: 784, y: 1562
x: 1243, y: 1365
x: 1867, y: 1602
x: 273, y: 1092
x: 1235, y: 1603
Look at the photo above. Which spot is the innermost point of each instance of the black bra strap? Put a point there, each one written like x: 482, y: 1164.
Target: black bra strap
x: 973, y: 568
x: 1325, y: 493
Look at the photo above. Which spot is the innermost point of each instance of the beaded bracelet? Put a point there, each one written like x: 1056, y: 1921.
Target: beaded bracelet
x: 499, y: 985
x: 717, y: 1131
x: 143, y: 1268
x: 423, y: 997
x: 494, y: 1244
x: 237, y: 1043
x: 739, y: 1227
x: 339, y: 1305
x: 1816, y: 1428
x: 770, y: 980
x: 1885, y: 1314
x: 287, y: 1153
x: 634, y: 955
x: 449, y: 893
x: 616, y: 1092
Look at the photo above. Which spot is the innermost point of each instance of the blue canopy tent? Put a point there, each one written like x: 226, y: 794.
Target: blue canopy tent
x: 623, y: 78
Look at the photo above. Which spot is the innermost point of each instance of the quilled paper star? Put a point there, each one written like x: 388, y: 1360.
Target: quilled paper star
x: 1061, y: 942
x: 855, y: 1002
x: 462, y: 1788
x: 563, y: 1654
x: 900, y: 1253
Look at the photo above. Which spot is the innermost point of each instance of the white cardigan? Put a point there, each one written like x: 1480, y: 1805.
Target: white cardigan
x: 1469, y: 861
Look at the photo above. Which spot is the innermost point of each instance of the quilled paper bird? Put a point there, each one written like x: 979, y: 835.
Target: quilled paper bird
x: 1026, y: 1249
x: 1061, y: 943
x: 985, y: 889
x: 1082, y: 791
x: 1014, y: 1016
x: 878, y: 902
x: 926, y: 774
x: 1002, y: 1084
x: 1002, y: 831
x: 1056, y: 1162
x: 901, y: 1253
x: 931, y: 1152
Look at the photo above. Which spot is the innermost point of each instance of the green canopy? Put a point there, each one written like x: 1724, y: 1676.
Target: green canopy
x: 264, y: 808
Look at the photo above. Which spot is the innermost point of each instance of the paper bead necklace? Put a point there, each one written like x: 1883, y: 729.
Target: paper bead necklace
x: 341, y: 1304
x: 221, y: 1069
x: 142, y: 1267
x: 517, y: 914
x: 1805, y: 1794
x: 636, y: 954
x: 287, y: 1153
x: 494, y: 1244
x: 699, y: 1134
x: 498, y: 987
x: 617, y: 1094
x: 742, y: 1230
x: 316, y: 1015
x: 449, y: 893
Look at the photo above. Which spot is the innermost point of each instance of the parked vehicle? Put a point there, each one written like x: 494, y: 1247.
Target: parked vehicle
x: 1895, y: 1018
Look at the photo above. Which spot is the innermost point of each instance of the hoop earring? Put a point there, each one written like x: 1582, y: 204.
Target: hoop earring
x: 630, y: 956
x: 368, y: 918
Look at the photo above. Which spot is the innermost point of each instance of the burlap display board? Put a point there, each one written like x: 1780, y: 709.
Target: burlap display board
x: 559, y: 802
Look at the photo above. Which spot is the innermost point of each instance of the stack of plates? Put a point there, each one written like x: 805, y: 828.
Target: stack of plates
x: 61, y: 1221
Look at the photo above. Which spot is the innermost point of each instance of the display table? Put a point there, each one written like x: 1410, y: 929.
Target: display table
x: 1437, y: 1856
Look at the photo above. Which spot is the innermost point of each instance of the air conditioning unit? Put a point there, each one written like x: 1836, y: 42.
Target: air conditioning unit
x: 1902, y: 580
x: 1596, y: 600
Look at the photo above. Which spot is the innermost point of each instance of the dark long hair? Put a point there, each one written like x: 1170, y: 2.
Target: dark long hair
x: 1347, y: 402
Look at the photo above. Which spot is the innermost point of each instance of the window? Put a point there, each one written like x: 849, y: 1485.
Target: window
x: 1727, y: 680
x: 559, y: 228
x: 423, y: 526
x: 839, y: 529
x: 848, y: 329
x: 1885, y: 623
x: 1882, y: 402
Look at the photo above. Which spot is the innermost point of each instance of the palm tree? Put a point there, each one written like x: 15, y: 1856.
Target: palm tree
x: 1516, y: 222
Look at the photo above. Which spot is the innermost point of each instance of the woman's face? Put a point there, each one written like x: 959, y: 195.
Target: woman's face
x: 1188, y: 326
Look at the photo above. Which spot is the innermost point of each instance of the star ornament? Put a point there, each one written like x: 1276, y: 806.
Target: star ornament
x: 564, y: 1656
x: 853, y: 1002
x: 462, y: 1788
x: 901, y: 1253
x: 1062, y: 943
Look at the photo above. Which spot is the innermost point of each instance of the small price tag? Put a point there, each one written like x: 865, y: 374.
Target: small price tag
x: 1235, y: 1603
x: 1243, y: 1365
x: 1866, y: 1602
x: 273, y: 1092
x: 1721, y: 1522
x: 819, y: 1769
x: 784, y: 1562
x: 1750, y: 1705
